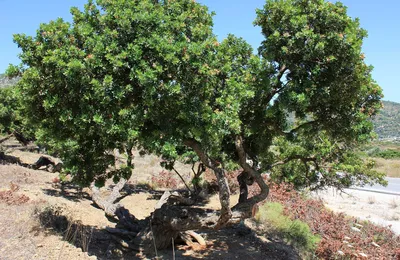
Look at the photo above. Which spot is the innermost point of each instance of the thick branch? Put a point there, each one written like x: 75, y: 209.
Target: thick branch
x: 107, y: 204
x: 282, y: 71
x: 224, y: 193
x: 252, y: 172
x: 212, y: 164
x: 2, y: 140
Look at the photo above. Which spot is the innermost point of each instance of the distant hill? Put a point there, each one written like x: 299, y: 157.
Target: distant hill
x: 6, y: 82
x: 387, y: 122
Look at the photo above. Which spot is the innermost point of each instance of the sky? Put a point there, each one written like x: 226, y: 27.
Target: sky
x: 380, y: 18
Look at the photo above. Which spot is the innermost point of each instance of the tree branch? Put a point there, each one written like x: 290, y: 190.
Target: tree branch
x: 5, y: 138
x: 224, y: 192
x: 252, y: 172
x: 299, y: 127
x: 291, y: 158
x: 282, y: 71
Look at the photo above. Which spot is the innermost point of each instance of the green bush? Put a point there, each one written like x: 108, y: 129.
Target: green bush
x: 388, y: 154
x: 383, y: 153
x: 294, y: 232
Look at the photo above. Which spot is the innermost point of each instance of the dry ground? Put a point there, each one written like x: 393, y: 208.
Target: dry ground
x: 382, y: 209
x: 391, y: 167
x: 22, y: 237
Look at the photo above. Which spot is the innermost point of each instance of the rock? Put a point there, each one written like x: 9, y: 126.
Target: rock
x: 363, y: 255
x: 358, y: 225
x: 340, y: 252
x: 345, y: 242
x: 375, y: 244
x: 347, y: 238
x: 355, y: 229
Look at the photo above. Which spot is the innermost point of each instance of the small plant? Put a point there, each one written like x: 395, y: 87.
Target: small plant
x: 10, y: 197
x: 371, y: 200
x: 165, y: 179
x: 393, y: 204
x: 295, y: 231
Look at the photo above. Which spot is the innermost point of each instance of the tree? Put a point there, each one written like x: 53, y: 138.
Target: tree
x: 12, y: 123
x: 151, y: 75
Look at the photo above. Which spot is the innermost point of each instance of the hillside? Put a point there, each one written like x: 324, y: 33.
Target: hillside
x: 387, y: 122
x: 6, y: 82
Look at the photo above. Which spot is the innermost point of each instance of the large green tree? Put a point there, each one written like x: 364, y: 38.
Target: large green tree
x: 151, y: 75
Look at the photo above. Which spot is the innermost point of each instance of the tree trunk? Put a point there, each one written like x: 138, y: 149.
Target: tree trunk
x: 175, y: 214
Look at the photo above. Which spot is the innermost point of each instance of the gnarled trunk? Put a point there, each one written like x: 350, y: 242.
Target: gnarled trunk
x: 175, y: 214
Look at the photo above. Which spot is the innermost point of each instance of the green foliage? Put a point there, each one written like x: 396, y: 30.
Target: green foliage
x: 319, y: 161
x: 152, y: 75
x: 11, y: 118
x: 7, y: 109
x: 386, y: 154
x: 295, y: 232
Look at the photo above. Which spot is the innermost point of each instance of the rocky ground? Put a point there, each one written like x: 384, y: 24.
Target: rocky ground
x: 37, y: 216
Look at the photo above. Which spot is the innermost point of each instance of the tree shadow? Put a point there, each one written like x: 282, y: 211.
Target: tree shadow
x: 68, y: 191
x: 237, y: 242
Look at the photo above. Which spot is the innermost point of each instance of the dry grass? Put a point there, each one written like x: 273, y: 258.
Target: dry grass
x: 54, y: 219
x: 389, y: 166
x: 393, y: 204
x: 371, y: 200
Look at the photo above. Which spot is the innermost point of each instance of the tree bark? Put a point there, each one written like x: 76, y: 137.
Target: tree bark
x: 175, y: 214
x: 251, y: 202
x: 224, y: 192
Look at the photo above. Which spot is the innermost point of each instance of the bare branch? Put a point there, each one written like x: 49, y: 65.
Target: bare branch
x: 180, y: 176
x: 192, y: 143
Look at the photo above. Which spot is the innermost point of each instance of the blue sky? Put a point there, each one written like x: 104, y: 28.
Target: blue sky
x: 380, y: 18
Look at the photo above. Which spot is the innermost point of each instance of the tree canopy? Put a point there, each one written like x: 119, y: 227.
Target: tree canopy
x: 152, y: 75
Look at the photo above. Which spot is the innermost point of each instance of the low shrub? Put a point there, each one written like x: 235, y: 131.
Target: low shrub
x: 388, y: 154
x: 11, y: 197
x: 342, y: 237
x: 165, y: 179
x: 295, y: 232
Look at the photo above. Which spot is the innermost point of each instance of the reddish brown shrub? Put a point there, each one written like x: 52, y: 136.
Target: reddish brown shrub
x: 11, y: 198
x: 165, y: 179
x: 335, y: 229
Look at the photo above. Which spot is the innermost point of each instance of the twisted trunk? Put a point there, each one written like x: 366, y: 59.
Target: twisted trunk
x: 175, y: 214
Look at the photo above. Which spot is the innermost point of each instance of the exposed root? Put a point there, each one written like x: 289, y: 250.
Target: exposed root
x: 187, y: 237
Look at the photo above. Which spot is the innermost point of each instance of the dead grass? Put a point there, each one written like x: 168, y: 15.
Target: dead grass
x: 391, y: 167
x: 371, y: 200
x: 393, y: 204
x: 54, y: 219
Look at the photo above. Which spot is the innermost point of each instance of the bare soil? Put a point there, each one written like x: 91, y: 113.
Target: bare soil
x: 381, y: 209
x: 23, y: 235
